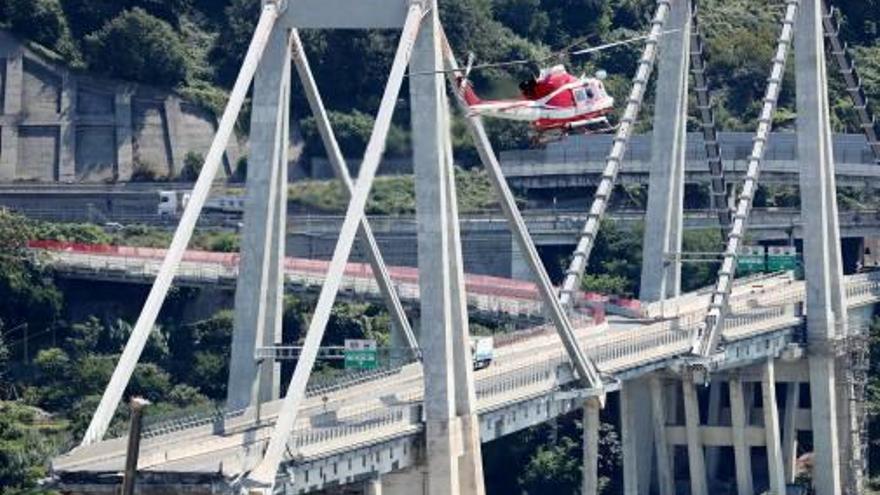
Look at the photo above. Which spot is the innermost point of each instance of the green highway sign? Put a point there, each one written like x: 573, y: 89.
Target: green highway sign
x: 781, y: 258
x: 361, y: 355
x: 750, y: 260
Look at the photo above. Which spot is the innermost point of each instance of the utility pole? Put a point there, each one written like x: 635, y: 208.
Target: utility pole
x: 134, y: 445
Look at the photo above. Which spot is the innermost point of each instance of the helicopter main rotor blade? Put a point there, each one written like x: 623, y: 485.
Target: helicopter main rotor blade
x: 630, y: 41
x: 565, y: 51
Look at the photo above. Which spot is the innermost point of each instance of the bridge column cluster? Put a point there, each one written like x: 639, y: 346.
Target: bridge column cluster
x: 758, y: 434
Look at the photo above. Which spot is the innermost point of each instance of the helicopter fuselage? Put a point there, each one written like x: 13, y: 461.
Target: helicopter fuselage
x: 557, y: 102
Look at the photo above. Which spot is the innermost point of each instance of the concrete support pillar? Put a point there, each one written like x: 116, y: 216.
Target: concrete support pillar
x: 67, y: 137
x: 664, y: 456
x: 825, y: 299
x: 412, y: 481
x: 373, y: 486
x: 257, y: 295
x: 591, y: 447
x: 454, y: 463
x: 663, y: 223
x: 696, y: 456
x: 471, y: 462
x: 172, y: 122
x: 741, y: 451
x: 12, y: 97
x: 519, y: 268
x: 12, y: 105
x: 823, y: 398
x: 775, y: 464
x: 636, y: 433
x: 713, y: 454
x: 8, y: 152
x: 270, y: 373
x: 124, y: 135
x: 789, y: 430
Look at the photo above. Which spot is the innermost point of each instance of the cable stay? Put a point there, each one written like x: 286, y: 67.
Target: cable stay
x: 847, y: 68
x: 587, y: 236
x: 717, y: 184
x: 708, y: 337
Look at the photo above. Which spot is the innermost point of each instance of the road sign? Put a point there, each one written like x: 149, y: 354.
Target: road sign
x: 750, y: 260
x: 782, y: 258
x: 361, y: 354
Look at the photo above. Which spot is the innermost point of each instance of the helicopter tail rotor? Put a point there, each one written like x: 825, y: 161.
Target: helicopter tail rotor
x: 471, y: 58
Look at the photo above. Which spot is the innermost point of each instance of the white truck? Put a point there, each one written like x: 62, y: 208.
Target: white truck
x: 172, y: 203
x: 482, y: 351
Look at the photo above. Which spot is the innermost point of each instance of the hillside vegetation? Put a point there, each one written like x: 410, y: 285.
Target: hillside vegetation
x: 196, y: 47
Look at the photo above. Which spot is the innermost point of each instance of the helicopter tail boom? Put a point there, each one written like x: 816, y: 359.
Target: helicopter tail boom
x: 468, y: 93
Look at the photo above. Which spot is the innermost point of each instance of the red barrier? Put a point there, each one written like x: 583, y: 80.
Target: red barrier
x: 477, y: 284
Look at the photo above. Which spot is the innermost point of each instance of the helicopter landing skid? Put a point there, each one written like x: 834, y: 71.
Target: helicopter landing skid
x: 553, y: 135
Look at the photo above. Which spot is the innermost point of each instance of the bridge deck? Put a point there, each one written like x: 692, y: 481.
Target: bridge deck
x: 387, y: 408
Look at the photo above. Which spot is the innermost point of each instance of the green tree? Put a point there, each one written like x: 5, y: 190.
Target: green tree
x: 192, y: 167
x: 138, y: 46
x: 617, y: 257
x: 697, y: 275
x: 525, y: 17
x: 238, y: 28
x: 607, y: 284
x: 553, y: 469
x: 5, y: 384
x: 27, y: 296
x: 573, y: 19
x: 352, y: 130
x: 201, y: 354
x: 24, y: 449
x: 87, y: 16
x: 42, y: 21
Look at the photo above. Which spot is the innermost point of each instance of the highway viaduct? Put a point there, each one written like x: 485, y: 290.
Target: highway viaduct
x: 418, y: 430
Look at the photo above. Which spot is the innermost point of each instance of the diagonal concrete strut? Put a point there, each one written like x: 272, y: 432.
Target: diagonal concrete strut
x: 377, y: 263
x: 590, y: 231
x: 708, y: 338
x: 586, y: 369
x: 141, y: 332
x: 262, y: 478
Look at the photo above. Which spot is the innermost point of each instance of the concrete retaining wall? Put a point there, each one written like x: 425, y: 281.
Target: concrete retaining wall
x: 57, y: 125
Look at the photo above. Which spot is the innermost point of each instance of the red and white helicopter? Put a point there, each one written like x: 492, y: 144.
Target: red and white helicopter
x: 555, y: 102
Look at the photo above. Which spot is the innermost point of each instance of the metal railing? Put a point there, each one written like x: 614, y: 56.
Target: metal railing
x: 121, y: 267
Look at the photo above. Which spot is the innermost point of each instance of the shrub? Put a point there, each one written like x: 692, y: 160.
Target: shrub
x: 140, y: 47
x: 192, y: 167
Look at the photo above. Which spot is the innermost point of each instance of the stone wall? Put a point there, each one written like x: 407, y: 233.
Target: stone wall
x: 58, y: 125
